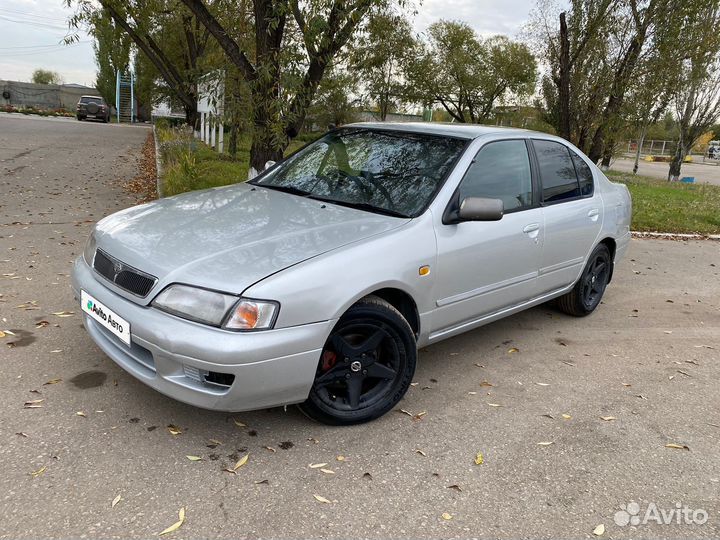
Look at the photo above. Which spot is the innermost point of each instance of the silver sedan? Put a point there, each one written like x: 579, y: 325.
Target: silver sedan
x: 316, y: 282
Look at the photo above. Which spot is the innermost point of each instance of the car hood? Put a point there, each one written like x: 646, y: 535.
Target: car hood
x: 229, y: 238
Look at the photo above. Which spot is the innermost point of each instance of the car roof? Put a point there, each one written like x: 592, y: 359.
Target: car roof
x: 463, y: 131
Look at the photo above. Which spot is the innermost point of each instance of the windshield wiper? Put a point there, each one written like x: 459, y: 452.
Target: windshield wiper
x: 286, y: 189
x: 362, y: 206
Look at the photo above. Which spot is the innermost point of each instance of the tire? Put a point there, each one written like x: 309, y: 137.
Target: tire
x: 588, y: 291
x: 80, y: 118
x: 366, y: 366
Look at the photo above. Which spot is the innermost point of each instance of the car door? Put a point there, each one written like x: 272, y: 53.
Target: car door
x: 572, y: 213
x: 485, y: 266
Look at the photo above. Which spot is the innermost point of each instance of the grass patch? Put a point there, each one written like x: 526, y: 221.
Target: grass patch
x: 189, y: 164
x: 673, y: 207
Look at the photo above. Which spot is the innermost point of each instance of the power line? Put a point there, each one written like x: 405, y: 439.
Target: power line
x: 42, y: 46
x: 33, y: 23
x: 15, y: 13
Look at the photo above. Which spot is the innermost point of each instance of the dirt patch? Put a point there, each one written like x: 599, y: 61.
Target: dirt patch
x: 144, y: 185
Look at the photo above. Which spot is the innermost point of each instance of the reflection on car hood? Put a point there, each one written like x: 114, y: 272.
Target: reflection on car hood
x: 229, y: 238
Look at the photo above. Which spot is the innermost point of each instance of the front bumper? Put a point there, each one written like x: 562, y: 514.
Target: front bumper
x: 169, y: 354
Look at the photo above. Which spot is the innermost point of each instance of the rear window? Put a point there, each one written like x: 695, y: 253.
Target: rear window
x: 97, y: 100
x: 584, y: 174
x: 557, y: 171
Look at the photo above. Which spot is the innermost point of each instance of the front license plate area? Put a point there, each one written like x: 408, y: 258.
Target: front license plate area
x: 106, y: 317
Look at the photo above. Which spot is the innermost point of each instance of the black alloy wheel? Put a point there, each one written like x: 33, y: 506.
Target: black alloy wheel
x: 366, y: 365
x: 588, y: 291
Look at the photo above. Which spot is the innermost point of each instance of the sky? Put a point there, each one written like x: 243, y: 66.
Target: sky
x: 31, y: 33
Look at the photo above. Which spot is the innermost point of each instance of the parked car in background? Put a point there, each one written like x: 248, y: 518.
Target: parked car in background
x: 317, y: 282
x: 93, y: 107
x: 714, y: 150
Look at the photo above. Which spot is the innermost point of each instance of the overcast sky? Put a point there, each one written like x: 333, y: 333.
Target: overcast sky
x: 31, y: 32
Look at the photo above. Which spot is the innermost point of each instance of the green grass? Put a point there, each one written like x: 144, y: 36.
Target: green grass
x: 661, y: 206
x: 189, y: 164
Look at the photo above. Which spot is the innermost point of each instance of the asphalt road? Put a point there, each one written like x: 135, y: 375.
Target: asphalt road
x: 704, y: 173
x: 647, y: 361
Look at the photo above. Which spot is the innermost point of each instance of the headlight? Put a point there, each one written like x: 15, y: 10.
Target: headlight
x: 89, y: 253
x: 214, y: 308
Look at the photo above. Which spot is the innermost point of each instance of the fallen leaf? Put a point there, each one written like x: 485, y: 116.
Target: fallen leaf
x: 542, y: 384
x: 677, y: 446
x: 80, y: 413
x: 446, y: 516
x: 175, y: 526
x: 321, y: 499
x: 545, y: 443
x: 641, y: 396
x: 238, y: 423
x: 667, y: 332
x: 406, y: 412
x: 317, y: 465
x: 174, y: 430
x: 33, y: 404
x: 494, y: 404
x: 258, y: 482
x: 550, y: 416
x: 2, y: 334
x: 327, y: 471
x: 455, y: 487
x: 567, y: 417
x: 37, y: 473
x: 367, y: 475
x: 270, y: 449
x: 115, y: 501
x: 479, y: 459
x: 243, y: 460
x: 486, y: 383
x: 340, y: 458
x: 64, y: 313
x: 512, y: 350
x: 626, y: 384
x: 21, y: 434
x: 215, y: 442
x: 472, y: 393
x: 194, y: 458
x: 52, y: 381
x: 419, y: 415
x: 417, y: 451
x: 608, y: 418
x: 599, y: 530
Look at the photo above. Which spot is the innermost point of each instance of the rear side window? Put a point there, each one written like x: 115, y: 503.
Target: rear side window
x: 557, y: 171
x: 501, y: 170
x: 584, y: 174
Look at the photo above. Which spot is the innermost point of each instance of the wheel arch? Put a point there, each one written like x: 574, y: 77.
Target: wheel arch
x: 610, y: 243
x: 403, y: 302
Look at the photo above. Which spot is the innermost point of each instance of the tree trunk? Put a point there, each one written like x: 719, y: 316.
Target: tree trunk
x: 607, y: 155
x: 676, y: 163
x: 563, y: 82
x: 641, y: 141
x: 192, y: 118
x: 232, y: 141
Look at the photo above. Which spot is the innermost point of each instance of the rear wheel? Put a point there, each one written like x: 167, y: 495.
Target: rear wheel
x: 366, y: 365
x: 588, y: 291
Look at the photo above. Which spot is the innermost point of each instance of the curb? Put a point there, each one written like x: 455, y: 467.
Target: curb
x: 158, y: 166
x: 675, y: 236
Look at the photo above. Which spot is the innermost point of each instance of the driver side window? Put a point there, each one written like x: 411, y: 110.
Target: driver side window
x: 500, y: 170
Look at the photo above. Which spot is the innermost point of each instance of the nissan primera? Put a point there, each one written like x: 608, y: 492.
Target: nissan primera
x: 316, y: 282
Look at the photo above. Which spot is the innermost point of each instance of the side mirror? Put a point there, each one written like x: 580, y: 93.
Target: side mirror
x: 269, y: 164
x: 480, y: 209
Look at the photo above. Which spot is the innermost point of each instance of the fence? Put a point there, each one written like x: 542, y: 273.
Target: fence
x: 42, y: 96
x: 652, y: 147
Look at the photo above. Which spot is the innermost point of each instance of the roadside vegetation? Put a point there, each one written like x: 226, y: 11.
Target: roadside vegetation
x: 189, y: 164
x: 673, y: 207
x: 36, y: 110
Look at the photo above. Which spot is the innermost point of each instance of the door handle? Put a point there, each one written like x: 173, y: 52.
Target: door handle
x: 593, y: 214
x: 531, y: 228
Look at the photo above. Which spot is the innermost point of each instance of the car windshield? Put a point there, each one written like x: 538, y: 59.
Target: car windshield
x: 375, y: 170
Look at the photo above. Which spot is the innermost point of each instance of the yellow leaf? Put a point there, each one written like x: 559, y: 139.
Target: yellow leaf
x: 327, y: 471
x: 2, y: 334
x: 607, y: 418
x: 486, y: 383
x: 546, y: 443
x: 174, y: 430
x: 115, y: 501
x: 243, y: 460
x: 494, y: 404
x: 175, y: 526
x: 479, y: 459
x: 677, y: 446
x: 599, y: 530
x: 513, y: 350
x: 340, y: 458
x: 194, y: 458
x: 37, y: 473
x: 238, y: 423
x: 214, y: 441
x: 567, y: 416
x: 406, y: 412
x: 446, y: 516
x: 317, y: 465
x: 321, y: 499
x: 52, y: 381
x: 80, y: 413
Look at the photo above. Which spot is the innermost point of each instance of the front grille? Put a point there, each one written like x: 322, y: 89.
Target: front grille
x: 124, y: 276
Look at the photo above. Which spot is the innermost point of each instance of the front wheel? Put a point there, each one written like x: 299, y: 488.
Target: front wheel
x: 588, y: 291
x: 366, y: 366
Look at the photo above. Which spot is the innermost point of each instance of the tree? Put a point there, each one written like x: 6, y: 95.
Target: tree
x: 333, y: 102
x: 381, y: 58
x: 112, y: 53
x: 323, y: 27
x: 44, y: 76
x: 697, y: 99
x: 150, y: 24
x: 469, y: 76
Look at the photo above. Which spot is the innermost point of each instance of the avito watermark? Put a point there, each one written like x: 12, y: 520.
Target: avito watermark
x: 680, y: 514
